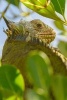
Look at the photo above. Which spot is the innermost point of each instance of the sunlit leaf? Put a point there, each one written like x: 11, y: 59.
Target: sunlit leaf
x: 65, y: 13
x: 59, y: 5
x: 11, y: 82
x: 59, y: 25
x: 42, y: 7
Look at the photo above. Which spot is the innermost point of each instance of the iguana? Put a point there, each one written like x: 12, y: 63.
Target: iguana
x: 25, y: 36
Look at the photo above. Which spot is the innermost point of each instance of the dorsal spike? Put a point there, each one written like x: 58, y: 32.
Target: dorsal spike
x: 7, y: 22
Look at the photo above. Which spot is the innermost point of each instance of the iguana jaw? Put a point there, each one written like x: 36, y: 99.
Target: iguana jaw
x: 43, y: 31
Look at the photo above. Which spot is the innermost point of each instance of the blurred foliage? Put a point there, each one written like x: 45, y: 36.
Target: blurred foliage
x: 10, y: 87
x: 63, y: 47
x: 60, y: 26
x: 46, y: 85
x: 40, y: 66
x: 42, y: 79
x: 59, y: 87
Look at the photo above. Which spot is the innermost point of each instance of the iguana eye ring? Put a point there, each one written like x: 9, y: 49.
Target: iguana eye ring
x: 39, y: 25
x: 27, y: 32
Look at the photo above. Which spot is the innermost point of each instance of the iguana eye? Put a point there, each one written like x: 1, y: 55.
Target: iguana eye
x: 26, y: 33
x: 39, y: 25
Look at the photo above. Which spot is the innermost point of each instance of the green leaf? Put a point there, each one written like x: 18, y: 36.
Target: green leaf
x: 39, y: 2
x: 1, y: 96
x: 14, y: 2
x: 59, y: 5
x: 59, y: 25
x: 42, y: 7
x: 59, y: 86
x: 63, y: 47
x: 11, y: 82
x: 39, y: 71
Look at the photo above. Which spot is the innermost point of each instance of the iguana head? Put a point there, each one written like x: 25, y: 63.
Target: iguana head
x: 43, y: 31
x: 25, y: 30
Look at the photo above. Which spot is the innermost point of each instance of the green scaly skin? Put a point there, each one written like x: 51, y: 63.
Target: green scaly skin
x: 26, y: 36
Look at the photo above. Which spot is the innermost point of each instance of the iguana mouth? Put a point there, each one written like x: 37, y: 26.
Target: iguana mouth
x: 46, y: 36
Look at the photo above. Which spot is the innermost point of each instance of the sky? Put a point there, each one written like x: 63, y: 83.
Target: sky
x: 14, y: 9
